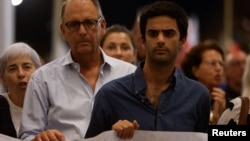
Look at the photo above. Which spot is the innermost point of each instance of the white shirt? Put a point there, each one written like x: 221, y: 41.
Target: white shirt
x: 59, y: 97
x: 15, y: 112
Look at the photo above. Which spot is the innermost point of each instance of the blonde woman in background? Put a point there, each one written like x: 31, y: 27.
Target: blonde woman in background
x: 118, y: 42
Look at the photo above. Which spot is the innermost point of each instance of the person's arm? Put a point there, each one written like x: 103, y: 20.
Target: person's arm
x: 101, y: 119
x: 204, y: 112
x: 34, y: 117
x: 104, y: 116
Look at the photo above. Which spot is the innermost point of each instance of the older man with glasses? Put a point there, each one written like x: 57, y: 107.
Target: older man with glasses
x: 235, y: 61
x: 60, y: 95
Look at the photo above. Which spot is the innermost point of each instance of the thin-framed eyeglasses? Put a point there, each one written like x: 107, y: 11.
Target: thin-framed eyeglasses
x: 214, y: 63
x: 88, y: 24
x: 236, y: 63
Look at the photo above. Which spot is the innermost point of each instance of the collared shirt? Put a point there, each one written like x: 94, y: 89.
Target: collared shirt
x: 183, y: 106
x: 59, y: 97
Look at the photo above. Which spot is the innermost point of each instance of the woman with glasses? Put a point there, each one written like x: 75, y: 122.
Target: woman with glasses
x: 205, y: 63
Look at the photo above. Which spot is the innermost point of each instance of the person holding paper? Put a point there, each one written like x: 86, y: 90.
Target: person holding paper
x: 60, y: 95
x: 157, y: 97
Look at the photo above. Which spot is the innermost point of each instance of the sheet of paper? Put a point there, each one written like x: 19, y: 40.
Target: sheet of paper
x: 152, y: 136
x: 7, y: 138
x: 139, y: 136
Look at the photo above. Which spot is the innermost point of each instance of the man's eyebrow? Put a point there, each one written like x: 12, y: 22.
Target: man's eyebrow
x: 161, y: 30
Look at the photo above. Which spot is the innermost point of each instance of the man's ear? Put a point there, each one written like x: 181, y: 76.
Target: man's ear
x: 182, y: 43
x: 103, y: 26
x: 62, y: 29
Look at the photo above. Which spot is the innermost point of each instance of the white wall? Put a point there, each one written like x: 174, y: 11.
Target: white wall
x: 7, y: 24
x: 58, y: 46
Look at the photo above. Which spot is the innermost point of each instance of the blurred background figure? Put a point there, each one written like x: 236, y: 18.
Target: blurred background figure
x: 231, y: 115
x: 118, y: 42
x: 141, y: 51
x: 17, y: 63
x: 205, y: 63
x: 235, y: 60
x: 2, y: 88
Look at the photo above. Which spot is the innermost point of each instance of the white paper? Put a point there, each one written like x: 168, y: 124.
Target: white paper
x: 152, y: 136
x: 140, y: 136
x: 7, y: 138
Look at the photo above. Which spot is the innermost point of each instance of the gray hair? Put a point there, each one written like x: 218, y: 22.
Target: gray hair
x: 16, y: 49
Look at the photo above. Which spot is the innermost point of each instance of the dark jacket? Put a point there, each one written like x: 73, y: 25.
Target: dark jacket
x: 6, y: 124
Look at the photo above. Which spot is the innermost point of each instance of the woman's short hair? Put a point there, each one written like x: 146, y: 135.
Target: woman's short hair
x: 16, y: 49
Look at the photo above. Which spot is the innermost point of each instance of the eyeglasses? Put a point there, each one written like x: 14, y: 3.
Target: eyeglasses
x: 214, y: 63
x: 237, y: 63
x: 88, y: 24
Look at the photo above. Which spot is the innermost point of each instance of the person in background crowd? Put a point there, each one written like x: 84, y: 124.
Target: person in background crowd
x: 17, y: 64
x: 119, y: 43
x: 60, y: 94
x: 2, y: 89
x: 205, y: 63
x: 140, y: 49
x: 235, y: 60
x: 157, y: 96
x: 231, y: 115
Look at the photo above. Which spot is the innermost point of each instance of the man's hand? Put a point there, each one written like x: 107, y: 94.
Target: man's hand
x: 50, y: 135
x: 125, y: 129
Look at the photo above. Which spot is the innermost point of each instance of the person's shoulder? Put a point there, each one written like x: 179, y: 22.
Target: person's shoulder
x: 49, y: 70
x: 190, y: 83
x: 2, y: 96
x: 124, y: 80
x: 3, y: 101
x: 55, y: 62
x: 117, y: 64
x: 117, y: 86
x: 184, y: 78
x: 52, y: 64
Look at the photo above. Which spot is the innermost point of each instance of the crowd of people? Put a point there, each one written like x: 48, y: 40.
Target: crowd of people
x: 114, y: 78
